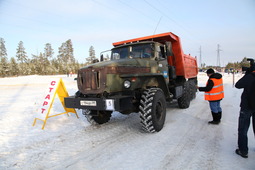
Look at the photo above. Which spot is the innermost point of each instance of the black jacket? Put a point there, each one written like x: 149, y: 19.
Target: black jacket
x: 246, y: 83
x: 210, y: 83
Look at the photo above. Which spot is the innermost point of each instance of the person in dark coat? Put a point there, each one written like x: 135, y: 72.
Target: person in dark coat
x: 247, y: 110
x: 214, y: 93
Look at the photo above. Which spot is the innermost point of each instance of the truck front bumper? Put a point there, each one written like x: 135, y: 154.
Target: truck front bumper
x: 112, y: 104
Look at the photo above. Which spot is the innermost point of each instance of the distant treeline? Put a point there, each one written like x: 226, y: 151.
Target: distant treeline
x: 231, y: 66
x: 43, y: 63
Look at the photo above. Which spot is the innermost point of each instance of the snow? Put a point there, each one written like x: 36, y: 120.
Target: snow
x: 185, y: 142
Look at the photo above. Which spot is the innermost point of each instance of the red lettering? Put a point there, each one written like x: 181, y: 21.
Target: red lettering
x: 51, y: 89
x: 43, y: 110
x: 53, y: 83
x: 45, y: 103
x: 47, y: 97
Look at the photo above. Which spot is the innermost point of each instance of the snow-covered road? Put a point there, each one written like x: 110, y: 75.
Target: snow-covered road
x: 185, y: 142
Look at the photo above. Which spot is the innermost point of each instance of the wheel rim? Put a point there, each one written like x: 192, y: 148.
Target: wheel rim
x: 101, y: 114
x: 159, y: 111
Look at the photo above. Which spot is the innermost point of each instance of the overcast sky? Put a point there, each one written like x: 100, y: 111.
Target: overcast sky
x: 99, y: 23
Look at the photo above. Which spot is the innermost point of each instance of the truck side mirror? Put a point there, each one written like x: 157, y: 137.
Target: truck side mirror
x: 162, y: 50
x: 169, y: 51
x: 102, y: 57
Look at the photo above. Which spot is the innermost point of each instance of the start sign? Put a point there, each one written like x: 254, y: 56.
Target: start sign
x: 55, y: 87
x: 48, y: 99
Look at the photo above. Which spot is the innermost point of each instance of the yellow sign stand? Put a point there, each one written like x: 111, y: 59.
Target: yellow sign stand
x: 56, y: 87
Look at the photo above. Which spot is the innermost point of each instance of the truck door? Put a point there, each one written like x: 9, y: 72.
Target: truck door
x: 162, y: 61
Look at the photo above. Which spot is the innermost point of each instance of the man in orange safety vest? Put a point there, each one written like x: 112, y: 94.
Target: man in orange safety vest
x: 214, y: 93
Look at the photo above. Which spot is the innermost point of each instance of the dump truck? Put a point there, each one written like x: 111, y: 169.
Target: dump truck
x: 140, y: 76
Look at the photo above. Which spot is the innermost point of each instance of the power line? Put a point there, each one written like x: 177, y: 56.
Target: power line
x: 159, y: 11
x: 136, y: 9
x: 125, y: 13
x: 164, y: 14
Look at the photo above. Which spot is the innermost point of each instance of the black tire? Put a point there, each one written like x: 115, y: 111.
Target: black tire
x: 184, y: 100
x: 193, y: 89
x: 97, y: 117
x: 152, y: 110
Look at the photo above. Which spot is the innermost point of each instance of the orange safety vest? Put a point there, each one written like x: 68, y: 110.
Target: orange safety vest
x: 217, y: 92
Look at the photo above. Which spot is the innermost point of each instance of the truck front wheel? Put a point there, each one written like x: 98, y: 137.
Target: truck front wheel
x: 97, y: 117
x: 152, y: 110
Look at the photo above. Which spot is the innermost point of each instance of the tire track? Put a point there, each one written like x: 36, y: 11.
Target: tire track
x: 91, y: 139
x: 195, y: 138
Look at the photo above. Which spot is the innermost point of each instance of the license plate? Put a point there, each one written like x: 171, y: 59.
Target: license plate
x: 88, y: 103
x: 109, y: 104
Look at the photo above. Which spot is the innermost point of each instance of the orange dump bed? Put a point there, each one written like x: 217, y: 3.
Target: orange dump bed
x: 185, y: 65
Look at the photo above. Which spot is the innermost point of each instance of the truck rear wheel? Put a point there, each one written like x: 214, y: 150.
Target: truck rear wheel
x: 97, y: 117
x: 193, y: 89
x: 152, y: 110
x: 184, y: 100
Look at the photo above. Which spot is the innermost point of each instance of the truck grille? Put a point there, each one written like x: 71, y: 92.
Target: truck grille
x: 91, y: 80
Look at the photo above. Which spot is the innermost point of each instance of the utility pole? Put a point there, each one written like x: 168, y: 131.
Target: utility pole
x: 218, y: 55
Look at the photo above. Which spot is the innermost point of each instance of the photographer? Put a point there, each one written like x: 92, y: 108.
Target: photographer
x: 247, y: 82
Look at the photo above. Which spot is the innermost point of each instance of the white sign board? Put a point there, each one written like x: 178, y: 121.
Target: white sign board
x: 48, y: 97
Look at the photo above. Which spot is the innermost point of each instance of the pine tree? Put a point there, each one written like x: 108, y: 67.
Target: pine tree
x: 48, y: 51
x: 3, y: 52
x: 92, y: 52
x: 245, y: 63
x: 40, y: 64
x: 69, y: 47
x: 66, y: 57
x: 21, y: 53
x: 45, y: 63
x: 48, y: 54
x: 14, y: 68
x: 4, y: 67
x: 23, y: 59
x: 92, y: 56
x: 55, y: 66
x: 66, y: 52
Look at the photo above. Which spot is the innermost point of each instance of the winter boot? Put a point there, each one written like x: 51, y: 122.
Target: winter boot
x: 219, y: 114
x: 215, y: 119
x: 238, y: 152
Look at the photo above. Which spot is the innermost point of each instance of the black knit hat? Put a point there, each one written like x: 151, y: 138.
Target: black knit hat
x: 210, y: 71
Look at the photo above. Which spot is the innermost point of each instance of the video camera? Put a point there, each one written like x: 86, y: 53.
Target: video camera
x: 251, y: 68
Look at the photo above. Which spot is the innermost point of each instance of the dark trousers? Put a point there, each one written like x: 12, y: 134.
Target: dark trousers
x: 243, y: 127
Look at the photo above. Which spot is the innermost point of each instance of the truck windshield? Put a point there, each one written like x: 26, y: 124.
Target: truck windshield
x: 134, y: 51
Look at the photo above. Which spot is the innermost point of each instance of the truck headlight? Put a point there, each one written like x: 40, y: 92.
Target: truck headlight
x: 127, y: 84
